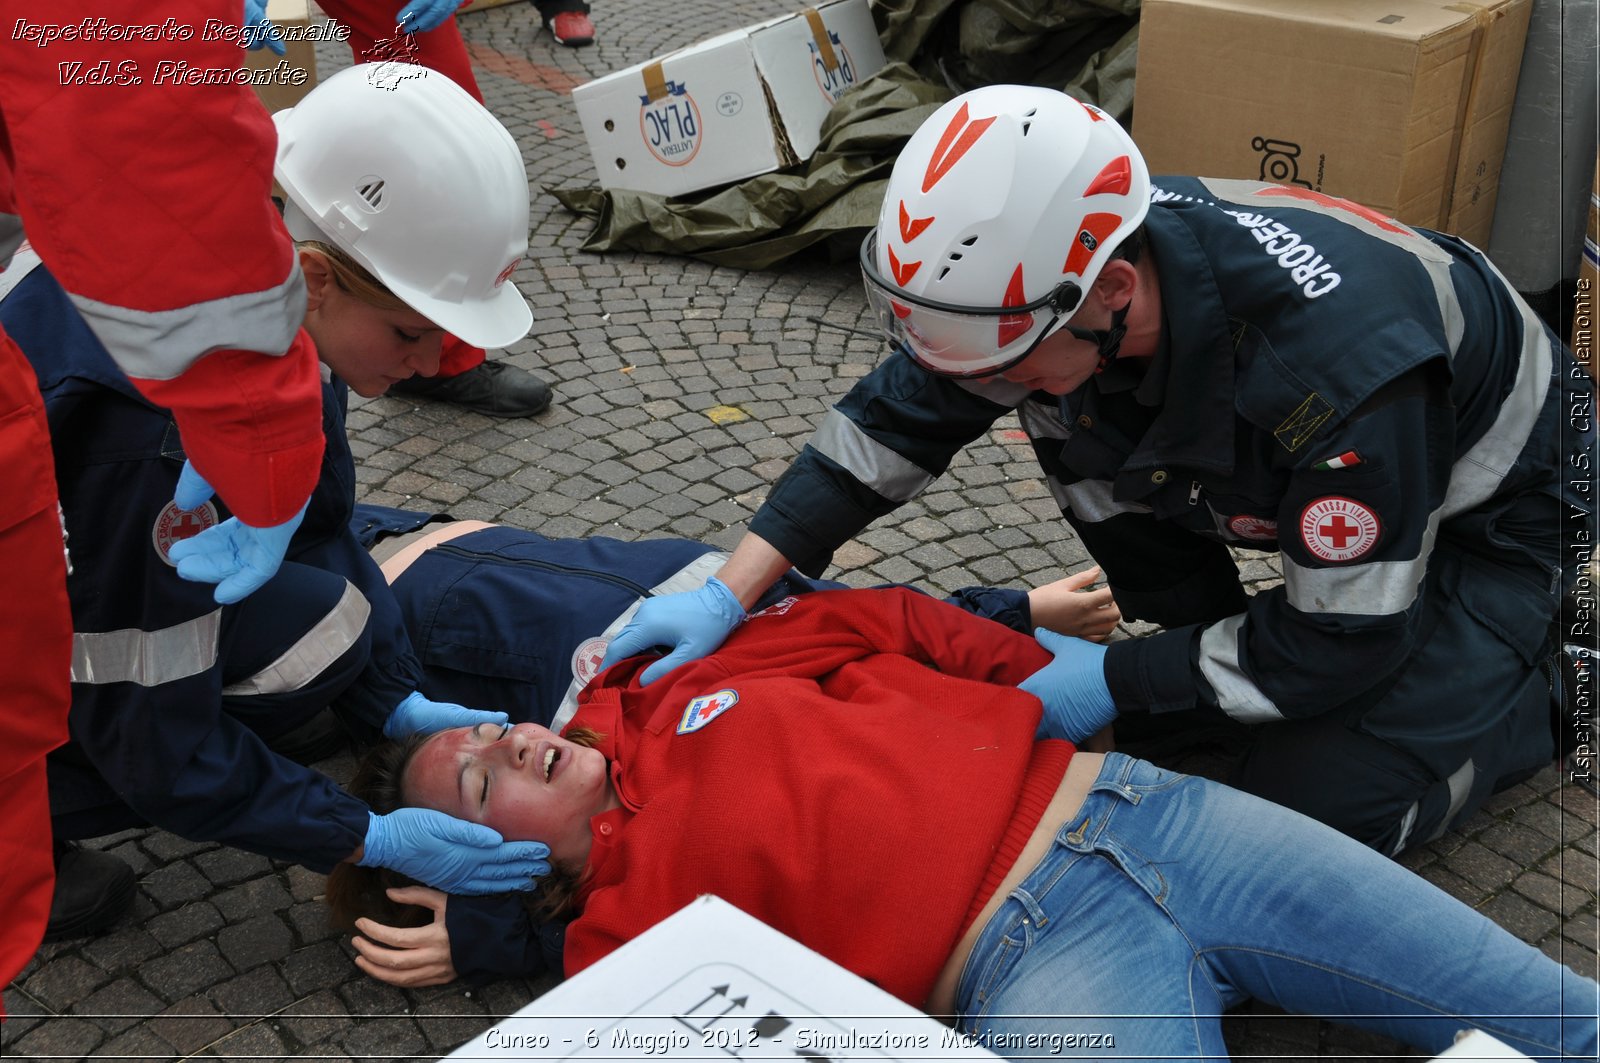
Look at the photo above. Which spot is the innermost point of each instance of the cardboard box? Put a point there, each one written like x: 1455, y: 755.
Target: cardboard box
x: 287, y: 86
x: 1400, y: 105
x: 740, y: 104
x: 713, y: 983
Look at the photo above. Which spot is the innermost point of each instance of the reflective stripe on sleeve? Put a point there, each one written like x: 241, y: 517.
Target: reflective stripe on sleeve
x: 161, y: 344
x: 690, y: 577
x: 311, y: 655
x: 10, y: 237
x: 868, y: 460
x: 1237, y: 696
x: 1091, y: 500
x: 24, y: 262
x: 1380, y: 588
x: 147, y: 658
x: 1478, y: 473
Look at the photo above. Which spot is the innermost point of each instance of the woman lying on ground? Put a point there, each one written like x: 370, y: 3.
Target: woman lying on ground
x: 506, y: 617
x: 860, y: 770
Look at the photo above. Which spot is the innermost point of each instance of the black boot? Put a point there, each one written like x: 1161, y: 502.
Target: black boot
x: 492, y: 388
x: 93, y: 891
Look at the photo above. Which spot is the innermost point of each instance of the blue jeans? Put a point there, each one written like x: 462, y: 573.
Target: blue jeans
x: 1169, y: 899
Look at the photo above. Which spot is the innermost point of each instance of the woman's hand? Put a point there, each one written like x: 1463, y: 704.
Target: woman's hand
x: 1065, y: 607
x: 407, y: 956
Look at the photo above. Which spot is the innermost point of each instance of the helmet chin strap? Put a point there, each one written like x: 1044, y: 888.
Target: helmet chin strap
x: 1108, y: 341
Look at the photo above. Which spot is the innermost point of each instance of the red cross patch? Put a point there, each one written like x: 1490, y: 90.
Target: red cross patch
x: 1249, y: 526
x: 705, y: 708
x: 587, y: 657
x: 173, y: 525
x: 1338, y: 529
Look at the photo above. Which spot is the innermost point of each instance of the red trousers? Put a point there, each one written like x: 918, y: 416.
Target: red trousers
x: 35, y: 660
x: 372, y: 26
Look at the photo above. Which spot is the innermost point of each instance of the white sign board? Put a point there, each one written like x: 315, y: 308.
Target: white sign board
x: 712, y: 983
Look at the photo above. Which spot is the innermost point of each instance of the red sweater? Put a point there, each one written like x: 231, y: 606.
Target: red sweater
x: 821, y: 774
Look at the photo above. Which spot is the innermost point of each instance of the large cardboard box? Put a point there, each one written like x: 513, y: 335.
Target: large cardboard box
x: 295, y: 72
x: 740, y: 104
x: 1401, y: 105
x: 714, y: 983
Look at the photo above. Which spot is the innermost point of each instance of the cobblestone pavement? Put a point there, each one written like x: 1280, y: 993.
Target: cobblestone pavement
x: 682, y: 392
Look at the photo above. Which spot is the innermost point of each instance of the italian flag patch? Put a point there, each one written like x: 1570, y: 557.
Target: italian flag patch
x: 1343, y: 461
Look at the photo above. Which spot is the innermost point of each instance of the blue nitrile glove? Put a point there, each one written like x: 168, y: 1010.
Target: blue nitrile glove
x: 236, y: 556
x: 420, y: 16
x: 694, y: 623
x: 416, y: 715
x: 261, y: 32
x: 451, y: 854
x: 1077, y: 702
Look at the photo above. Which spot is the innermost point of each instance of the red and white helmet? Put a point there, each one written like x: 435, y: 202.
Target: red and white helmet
x: 1001, y: 212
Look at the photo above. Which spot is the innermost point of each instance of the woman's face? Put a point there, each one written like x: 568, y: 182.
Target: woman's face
x: 524, y: 781
x: 368, y: 347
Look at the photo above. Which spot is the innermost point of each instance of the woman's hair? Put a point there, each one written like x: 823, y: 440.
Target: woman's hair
x: 353, y: 891
x: 354, y: 278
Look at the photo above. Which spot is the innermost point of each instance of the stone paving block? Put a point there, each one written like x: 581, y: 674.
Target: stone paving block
x: 190, y: 1025
x: 262, y: 939
x: 229, y: 867
x: 450, y: 1020
x: 121, y: 950
x: 314, y: 1019
x: 69, y: 1038
x: 138, y: 1043
x: 265, y: 894
x: 57, y: 985
x: 1552, y: 894
x: 1521, y: 846
x: 1523, y: 918
x: 321, y: 966
x: 193, y: 920
x: 1582, y: 929
x: 186, y: 970
x: 1584, y: 961
x: 166, y: 847
x: 309, y: 922
x: 258, y: 1040
x: 119, y: 1005
x: 259, y: 992
x: 1452, y: 883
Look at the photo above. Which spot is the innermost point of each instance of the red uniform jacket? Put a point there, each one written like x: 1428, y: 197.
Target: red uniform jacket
x: 145, y: 186
x: 819, y: 773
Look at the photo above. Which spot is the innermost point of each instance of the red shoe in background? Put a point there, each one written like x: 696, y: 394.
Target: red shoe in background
x: 571, y: 28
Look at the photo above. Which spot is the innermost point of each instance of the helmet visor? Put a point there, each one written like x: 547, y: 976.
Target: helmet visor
x: 955, y: 340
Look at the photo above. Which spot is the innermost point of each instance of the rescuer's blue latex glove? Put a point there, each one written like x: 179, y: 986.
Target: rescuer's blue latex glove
x: 258, y: 31
x: 694, y: 623
x: 1077, y: 702
x: 420, y: 16
x: 451, y: 854
x: 416, y: 715
x: 236, y: 556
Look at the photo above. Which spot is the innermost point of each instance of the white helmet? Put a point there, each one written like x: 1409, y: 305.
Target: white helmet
x: 400, y: 168
x: 1000, y: 213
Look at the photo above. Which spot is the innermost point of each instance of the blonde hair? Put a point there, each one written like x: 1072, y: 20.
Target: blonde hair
x: 354, y: 278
